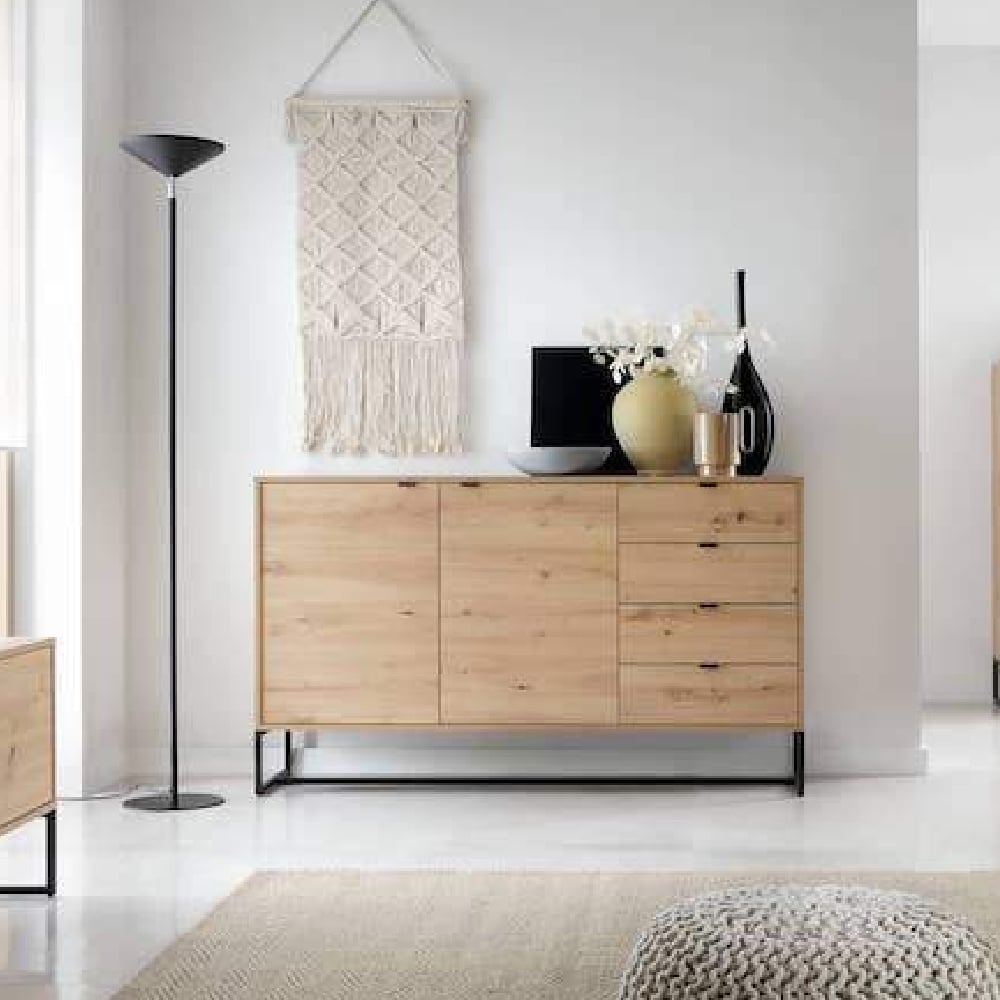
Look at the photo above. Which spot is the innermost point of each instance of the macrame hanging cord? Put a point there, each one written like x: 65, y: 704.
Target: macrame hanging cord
x: 381, y: 307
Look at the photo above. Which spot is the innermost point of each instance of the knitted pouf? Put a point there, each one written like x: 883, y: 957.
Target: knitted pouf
x: 810, y: 943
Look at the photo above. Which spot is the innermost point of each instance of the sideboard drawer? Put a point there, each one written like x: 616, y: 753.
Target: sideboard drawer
x: 685, y: 633
x: 26, y: 758
x: 693, y: 574
x: 717, y: 511
x: 730, y: 694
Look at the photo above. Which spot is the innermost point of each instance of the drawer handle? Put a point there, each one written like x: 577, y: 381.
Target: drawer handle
x: 470, y: 484
x: 406, y: 484
x: 708, y: 486
x: 709, y: 666
x: 709, y: 606
x: 708, y: 545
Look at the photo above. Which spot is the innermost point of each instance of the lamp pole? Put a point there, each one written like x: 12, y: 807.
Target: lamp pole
x: 172, y: 156
x: 172, y: 378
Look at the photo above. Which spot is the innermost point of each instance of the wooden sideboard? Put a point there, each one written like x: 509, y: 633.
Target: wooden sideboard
x: 557, y: 603
x: 27, y: 746
x: 995, y: 461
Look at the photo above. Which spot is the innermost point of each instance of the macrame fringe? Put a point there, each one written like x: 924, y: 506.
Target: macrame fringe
x: 392, y: 396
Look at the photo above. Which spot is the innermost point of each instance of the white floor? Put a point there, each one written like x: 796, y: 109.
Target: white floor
x: 131, y: 882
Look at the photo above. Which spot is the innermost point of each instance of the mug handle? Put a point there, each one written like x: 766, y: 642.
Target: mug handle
x: 747, y: 439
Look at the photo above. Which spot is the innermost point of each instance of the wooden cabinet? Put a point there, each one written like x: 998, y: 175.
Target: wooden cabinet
x: 995, y: 434
x: 528, y: 616
x: 348, y: 593
x: 27, y: 740
x: 28, y: 747
x: 578, y: 602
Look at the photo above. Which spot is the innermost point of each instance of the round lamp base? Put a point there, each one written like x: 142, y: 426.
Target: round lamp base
x: 165, y: 802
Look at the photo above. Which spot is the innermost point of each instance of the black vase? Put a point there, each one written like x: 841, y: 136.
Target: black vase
x: 747, y: 396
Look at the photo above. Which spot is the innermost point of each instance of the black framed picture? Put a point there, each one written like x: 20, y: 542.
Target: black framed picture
x: 571, y: 398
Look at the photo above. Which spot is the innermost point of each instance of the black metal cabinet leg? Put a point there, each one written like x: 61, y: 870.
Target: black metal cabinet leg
x: 49, y: 889
x: 799, y: 763
x: 264, y: 785
x: 996, y: 682
x: 50, y: 854
x: 287, y: 776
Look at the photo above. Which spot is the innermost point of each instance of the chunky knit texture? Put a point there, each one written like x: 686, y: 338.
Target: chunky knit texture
x: 810, y: 943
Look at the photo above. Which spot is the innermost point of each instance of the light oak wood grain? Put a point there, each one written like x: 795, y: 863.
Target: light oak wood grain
x: 678, y: 633
x: 528, y: 604
x: 692, y: 512
x: 800, y: 595
x: 27, y: 756
x: 12, y: 646
x: 349, y: 603
x: 6, y: 542
x: 525, y: 630
x: 995, y: 404
x: 729, y: 573
x: 688, y: 695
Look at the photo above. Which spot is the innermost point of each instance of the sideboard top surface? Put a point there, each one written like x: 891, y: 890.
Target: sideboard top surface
x: 494, y: 478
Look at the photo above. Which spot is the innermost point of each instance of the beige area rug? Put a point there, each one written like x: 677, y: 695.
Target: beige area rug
x: 445, y: 935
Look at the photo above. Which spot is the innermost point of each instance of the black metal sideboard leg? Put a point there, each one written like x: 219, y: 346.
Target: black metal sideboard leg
x: 996, y: 682
x: 49, y: 889
x: 799, y: 763
x: 264, y: 785
x: 51, y: 865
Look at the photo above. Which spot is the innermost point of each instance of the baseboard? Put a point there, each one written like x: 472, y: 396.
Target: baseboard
x: 868, y: 762
x: 150, y: 764
x: 109, y: 770
x: 489, y: 756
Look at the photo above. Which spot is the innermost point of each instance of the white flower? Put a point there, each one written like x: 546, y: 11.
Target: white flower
x: 629, y: 349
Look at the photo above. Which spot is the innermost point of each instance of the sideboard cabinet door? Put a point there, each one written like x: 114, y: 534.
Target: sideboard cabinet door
x: 348, y: 603
x: 528, y: 604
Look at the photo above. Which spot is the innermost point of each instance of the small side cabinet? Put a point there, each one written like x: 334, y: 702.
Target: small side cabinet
x: 27, y: 747
x: 995, y: 437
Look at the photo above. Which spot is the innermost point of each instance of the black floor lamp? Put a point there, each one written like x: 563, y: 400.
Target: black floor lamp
x: 173, y: 156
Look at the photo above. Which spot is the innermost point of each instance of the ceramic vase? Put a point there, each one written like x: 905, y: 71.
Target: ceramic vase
x: 653, y: 416
x: 747, y: 397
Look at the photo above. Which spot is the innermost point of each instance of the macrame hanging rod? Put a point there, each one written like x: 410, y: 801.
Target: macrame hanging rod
x: 420, y: 43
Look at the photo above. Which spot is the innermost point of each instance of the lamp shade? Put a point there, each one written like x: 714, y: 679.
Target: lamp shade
x: 173, y: 155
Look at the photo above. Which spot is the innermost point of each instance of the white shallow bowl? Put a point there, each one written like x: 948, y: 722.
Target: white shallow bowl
x: 558, y: 461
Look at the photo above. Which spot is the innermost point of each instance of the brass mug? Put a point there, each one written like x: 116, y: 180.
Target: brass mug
x: 717, y: 450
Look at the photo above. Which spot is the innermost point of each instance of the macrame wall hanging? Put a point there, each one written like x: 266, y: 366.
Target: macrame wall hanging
x: 380, y: 269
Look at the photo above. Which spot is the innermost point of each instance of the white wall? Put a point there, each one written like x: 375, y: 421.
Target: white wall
x: 960, y: 240
x: 620, y: 160
x: 104, y: 415
x: 70, y: 519
x: 960, y: 22
x: 50, y: 563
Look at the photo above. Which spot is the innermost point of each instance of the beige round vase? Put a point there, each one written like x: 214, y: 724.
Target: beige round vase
x: 653, y: 418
